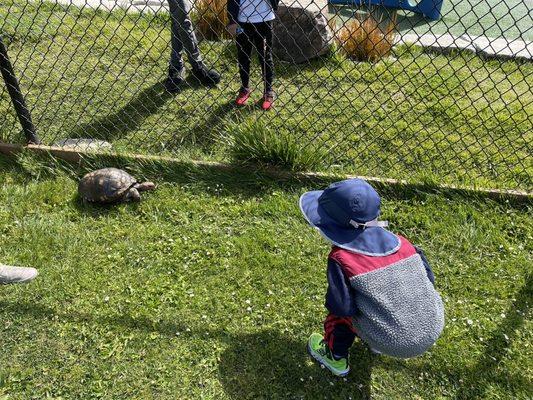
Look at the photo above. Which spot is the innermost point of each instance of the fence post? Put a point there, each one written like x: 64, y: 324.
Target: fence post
x: 17, y: 98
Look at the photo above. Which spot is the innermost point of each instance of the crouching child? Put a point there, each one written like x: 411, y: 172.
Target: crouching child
x: 380, y: 286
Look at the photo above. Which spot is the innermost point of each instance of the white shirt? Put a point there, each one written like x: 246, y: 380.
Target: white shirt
x: 254, y: 11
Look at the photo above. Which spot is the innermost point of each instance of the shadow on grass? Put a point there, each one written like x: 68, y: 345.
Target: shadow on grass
x: 473, y: 382
x: 269, y: 364
x: 288, y: 70
x: 238, y: 180
x: 96, y: 210
x: 485, y: 371
x: 266, y: 364
x: 114, y: 126
x: 203, y: 134
x: 253, y: 180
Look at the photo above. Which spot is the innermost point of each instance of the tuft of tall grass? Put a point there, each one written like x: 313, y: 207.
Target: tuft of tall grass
x: 39, y: 166
x: 211, y: 19
x: 364, y: 38
x: 254, y: 142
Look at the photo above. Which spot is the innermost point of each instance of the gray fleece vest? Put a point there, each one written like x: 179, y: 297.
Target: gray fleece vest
x: 399, y: 312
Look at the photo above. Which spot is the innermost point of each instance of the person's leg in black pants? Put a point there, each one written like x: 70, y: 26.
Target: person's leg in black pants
x: 263, y: 44
x: 244, y: 53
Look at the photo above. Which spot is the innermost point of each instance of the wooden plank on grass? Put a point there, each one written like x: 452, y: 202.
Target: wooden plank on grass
x: 77, y: 157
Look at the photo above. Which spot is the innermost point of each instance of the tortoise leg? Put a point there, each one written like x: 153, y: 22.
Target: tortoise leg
x: 133, y: 195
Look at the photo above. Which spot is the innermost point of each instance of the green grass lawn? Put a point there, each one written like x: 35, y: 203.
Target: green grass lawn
x: 423, y: 117
x: 209, y: 288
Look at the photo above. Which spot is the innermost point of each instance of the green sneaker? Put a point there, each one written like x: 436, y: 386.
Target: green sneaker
x: 319, y: 350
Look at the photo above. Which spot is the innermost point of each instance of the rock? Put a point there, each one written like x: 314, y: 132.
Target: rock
x: 301, y: 32
x: 80, y: 144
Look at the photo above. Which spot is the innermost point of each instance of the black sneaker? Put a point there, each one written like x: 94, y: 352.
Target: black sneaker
x: 208, y: 77
x: 174, y: 80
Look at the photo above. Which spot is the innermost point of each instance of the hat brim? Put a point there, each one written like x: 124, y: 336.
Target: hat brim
x: 371, y: 241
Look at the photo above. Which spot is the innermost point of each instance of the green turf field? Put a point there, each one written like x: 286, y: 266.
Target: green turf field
x: 511, y: 19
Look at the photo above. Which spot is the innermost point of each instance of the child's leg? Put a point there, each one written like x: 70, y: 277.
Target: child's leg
x: 244, y: 52
x: 339, y: 334
x: 263, y: 44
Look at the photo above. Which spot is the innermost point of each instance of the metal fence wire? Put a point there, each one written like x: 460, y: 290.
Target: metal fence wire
x: 421, y: 90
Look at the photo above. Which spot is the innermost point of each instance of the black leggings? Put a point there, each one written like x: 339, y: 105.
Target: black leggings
x: 260, y: 35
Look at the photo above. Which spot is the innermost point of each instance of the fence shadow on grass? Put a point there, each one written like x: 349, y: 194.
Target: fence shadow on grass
x: 486, y: 369
x: 247, y: 180
x: 473, y: 381
x: 203, y: 133
x: 266, y: 364
x: 253, y: 180
x: 118, y: 124
x: 270, y: 364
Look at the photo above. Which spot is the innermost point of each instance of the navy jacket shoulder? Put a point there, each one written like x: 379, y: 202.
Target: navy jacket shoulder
x: 340, y: 297
x: 429, y: 272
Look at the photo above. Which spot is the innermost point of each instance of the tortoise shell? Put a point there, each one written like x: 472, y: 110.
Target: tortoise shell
x: 106, y: 185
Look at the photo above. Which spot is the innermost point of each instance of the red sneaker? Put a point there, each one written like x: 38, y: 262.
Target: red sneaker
x: 243, y: 96
x: 267, y: 101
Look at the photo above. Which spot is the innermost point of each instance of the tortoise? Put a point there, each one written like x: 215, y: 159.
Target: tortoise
x: 111, y: 185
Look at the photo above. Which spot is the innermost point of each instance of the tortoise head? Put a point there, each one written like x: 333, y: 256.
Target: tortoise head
x: 133, y: 193
x: 143, y: 187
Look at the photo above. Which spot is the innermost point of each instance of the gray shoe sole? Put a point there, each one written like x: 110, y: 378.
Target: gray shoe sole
x: 28, y: 275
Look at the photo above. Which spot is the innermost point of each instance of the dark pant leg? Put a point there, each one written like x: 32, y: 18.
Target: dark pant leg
x: 339, y: 334
x: 182, y: 35
x: 244, y: 53
x: 263, y: 44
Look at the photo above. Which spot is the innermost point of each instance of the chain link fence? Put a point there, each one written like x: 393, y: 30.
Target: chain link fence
x: 426, y: 91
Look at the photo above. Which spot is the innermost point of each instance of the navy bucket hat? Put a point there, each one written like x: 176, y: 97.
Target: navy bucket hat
x: 346, y: 214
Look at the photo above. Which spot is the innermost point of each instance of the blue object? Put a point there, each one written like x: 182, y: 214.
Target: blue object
x: 346, y: 214
x: 428, y: 8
